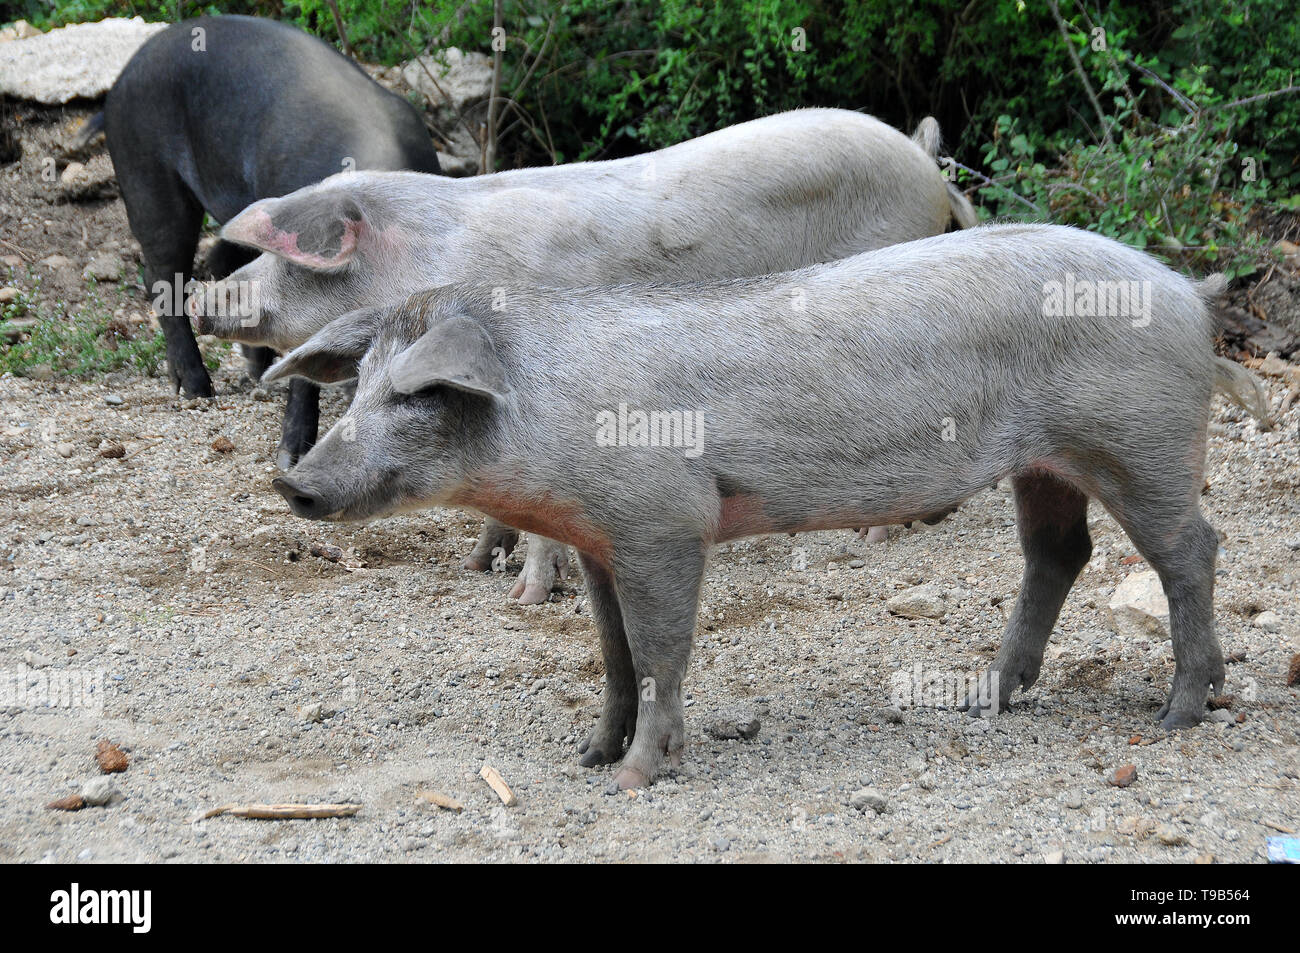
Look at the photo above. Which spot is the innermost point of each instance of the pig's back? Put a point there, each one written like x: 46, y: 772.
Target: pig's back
x: 262, y: 110
x: 864, y: 362
x: 732, y: 203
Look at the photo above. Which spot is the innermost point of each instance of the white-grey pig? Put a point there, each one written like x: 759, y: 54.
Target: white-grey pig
x: 886, y: 387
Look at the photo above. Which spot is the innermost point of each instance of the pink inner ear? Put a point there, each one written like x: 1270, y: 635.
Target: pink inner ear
x: 254, y: 227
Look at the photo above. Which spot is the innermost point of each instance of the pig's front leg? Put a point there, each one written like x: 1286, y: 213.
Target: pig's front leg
x: 659, y: 593
x: 301, y: 423
x: 493, y: 536
x: 618, y: 713
x: 545, y: 565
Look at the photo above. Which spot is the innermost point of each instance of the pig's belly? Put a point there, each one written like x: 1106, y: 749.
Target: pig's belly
x: 750, y: 514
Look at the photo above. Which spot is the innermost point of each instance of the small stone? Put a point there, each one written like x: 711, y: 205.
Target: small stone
x: 1170, y: 836
x: 112, y: 450
x: 1124, y: 776
x: 38, y: 372
x: 890, y: 716
x: 1074, y: 800
x: 114, y: 400
x: 8, y: 295
x: 104, y: 267
x: 65, y: 449
x: 919, y: 602
x: 1267, y: 620
x: 864, y: 798
x: 1222, y: 717
x: 73, y: 802
x: 71, y: 172
x: 734, y: 727
x: 98, y: 792
x: 1054, y: 857
x: 1293, y: 672
x: 110, y: 757
x: 56, y: 262
x: 222, y: 444
x: 1139, y: 608
x: 313, y: 712
x: 1204, y: 859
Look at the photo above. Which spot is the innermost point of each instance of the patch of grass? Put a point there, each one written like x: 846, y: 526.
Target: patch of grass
x: 80, y: 342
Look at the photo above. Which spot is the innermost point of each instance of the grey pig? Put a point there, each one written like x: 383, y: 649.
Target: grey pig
x: 732, y: 203
x: 914, y: 377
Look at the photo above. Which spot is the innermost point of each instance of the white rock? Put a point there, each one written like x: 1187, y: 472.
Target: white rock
x: 919, y: 602
x: 465, y: 79
x: 80, y: 60
x: 1139, y: 607
x: 97, y: 792
x: 1268, y: 620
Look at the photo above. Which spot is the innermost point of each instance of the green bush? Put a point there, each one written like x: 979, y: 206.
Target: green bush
x: 1146, y: 139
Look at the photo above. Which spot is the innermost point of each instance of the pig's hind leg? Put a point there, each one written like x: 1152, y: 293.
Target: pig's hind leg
x: 1052, y: 520
x: 546, y: 564
x: 1181, y: 547
x: 618, y: 710
x: 165, y: 218
x: 493, y: 536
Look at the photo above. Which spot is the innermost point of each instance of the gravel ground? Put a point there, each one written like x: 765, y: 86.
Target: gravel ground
x: 177, y: 573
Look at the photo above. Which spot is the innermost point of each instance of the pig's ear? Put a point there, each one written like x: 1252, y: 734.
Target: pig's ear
x: 316, y: 229
x: 456, y: 353
x: 332, y: 353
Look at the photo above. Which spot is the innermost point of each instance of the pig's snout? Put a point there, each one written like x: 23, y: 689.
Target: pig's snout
x: 304, y: 501
x: 197, y: 311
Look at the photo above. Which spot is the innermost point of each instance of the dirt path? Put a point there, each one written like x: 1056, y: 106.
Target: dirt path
x: 177, y: 573
x: 235, y: 665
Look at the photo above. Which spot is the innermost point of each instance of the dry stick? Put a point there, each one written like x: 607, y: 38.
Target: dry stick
x: 140, y: 450
x: 443, y: 801
x: 1254, y: 99
x: 276, y: 812
x: 338, y: 25
x: 250, y: 562
x: 490, y: 146
x: 1078, y: 68
x: 498, y: 784
x: 987, y: 181
x: 417, y: 57
x: 22, y: 252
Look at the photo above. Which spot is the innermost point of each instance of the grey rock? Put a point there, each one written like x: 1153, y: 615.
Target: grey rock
x: 864, y: 798
x: 104, y: 267
x: 98, y: 792
x: 919, y: 602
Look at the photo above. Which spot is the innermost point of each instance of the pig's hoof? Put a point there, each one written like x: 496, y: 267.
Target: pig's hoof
x: 530, y: 593
x: 592, y: 756
x: 545, y: 566
x: 1173, y: 720
x: 629, y: 779
x: 198, y: 387
x: 473, y: 564
x: 877, y: 534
